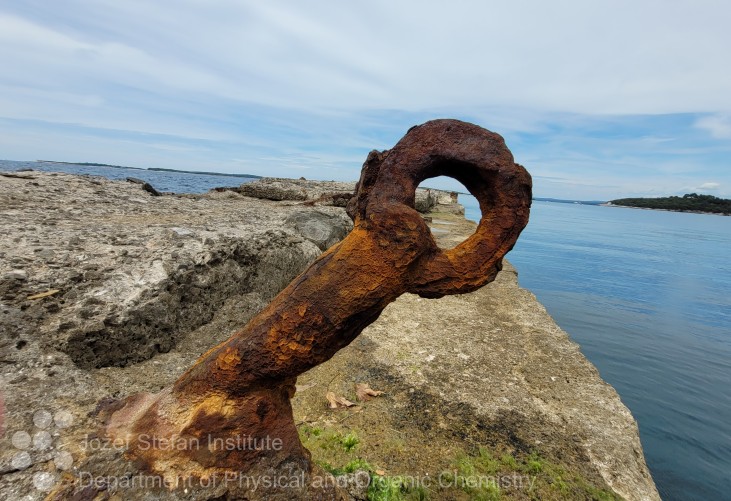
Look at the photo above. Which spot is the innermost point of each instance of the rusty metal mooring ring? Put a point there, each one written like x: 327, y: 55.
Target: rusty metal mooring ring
x: 245, y: 383
x: 479, y: 160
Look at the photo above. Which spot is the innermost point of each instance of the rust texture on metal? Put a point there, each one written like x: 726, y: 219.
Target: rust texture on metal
x: 243, y: 386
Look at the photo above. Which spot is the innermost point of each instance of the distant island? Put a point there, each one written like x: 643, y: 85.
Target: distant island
x: 565, y: 201
x: 159, y: 169
x: 691, y: 202
x: 88, y: 164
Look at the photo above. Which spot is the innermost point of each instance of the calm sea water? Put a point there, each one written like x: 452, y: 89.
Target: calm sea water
x: 177, y: 182
x: 647, y: 295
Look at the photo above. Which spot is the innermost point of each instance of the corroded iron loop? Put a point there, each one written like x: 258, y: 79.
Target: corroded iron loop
x: 481, y: 161
x: 245, y: 383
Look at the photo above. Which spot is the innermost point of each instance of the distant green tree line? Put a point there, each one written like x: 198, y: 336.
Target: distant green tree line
x: 689, y: 202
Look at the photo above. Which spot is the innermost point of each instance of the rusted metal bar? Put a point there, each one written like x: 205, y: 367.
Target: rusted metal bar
x: 242, y: 387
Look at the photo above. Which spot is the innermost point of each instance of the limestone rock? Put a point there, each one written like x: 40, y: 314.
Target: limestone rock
x: 450, y: 208
x: 134, y: 277
x: 330, y: 193
x: 425, y: 200
x: 269, y: 188
x: 145, y: 186
x: 20, y: 275
x: 322, y: 229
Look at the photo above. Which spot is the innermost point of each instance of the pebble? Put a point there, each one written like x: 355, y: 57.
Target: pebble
x: 17, y: 275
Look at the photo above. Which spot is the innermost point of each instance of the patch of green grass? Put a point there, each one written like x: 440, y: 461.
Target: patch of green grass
x: 486, y: 463
x: 533, y: 464
x: 332, y: 470
x: 385, y: 489
x: 479, y: 476
x: 349, y: 441
x: 381, y: 488
x: 357, y: 464
x: 551, y: 477
x: 475, y: 475
x: 509, y: 462
x: 395, y: 488
x: 477, y: 486
x: 328, y: 439
x: 600, y: 494
x: 306, y: 431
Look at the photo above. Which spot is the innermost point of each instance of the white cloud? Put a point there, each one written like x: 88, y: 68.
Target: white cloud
x: 709, y: 186
x: 584, y: 57
x: 719, y: 126
x: 315, y: 85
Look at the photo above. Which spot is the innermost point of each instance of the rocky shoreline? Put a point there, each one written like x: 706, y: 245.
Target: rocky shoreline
x: 107, y: 290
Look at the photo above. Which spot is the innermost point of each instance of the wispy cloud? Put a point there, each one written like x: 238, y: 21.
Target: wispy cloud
x: 719, y: 126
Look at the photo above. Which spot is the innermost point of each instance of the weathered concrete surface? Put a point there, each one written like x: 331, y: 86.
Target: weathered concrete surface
x: 487, y: 368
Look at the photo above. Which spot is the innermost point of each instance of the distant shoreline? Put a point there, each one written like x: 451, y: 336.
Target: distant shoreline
x: 568, y: 201
x: 156, y: 169
x: 88, y: 164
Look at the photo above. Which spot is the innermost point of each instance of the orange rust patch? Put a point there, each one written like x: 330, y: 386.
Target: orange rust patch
x: 229, y: 359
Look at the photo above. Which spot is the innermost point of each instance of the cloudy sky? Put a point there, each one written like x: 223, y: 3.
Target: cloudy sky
x: 598, y: 99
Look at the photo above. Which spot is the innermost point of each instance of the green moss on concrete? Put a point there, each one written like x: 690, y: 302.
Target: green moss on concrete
x: 483, y: 475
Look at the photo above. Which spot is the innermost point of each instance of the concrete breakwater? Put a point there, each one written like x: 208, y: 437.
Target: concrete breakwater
x: 106, y: 290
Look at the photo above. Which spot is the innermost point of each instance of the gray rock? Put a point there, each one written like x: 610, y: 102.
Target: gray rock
x: 159, y: 269
x: 145, y: 186
x: 449, y: 208
x: 46, y: 254
x: 322, y: 229
x: 20, y: 275
x: 181, y: 232
x: 447, y: 197
x: 425, y: 200
x: 269, y: 188
x: 327, y: 193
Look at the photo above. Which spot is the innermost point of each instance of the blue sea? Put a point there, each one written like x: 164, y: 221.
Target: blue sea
x: 646, y: 294
x: 162, y: 180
